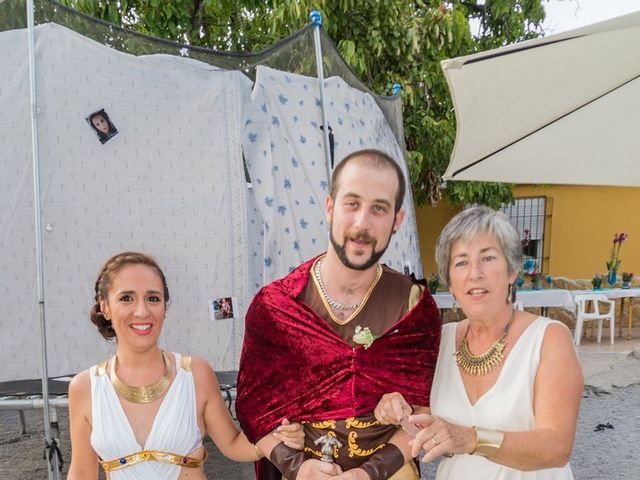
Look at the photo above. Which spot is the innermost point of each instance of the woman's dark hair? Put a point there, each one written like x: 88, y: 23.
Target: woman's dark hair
x: 109, y: 270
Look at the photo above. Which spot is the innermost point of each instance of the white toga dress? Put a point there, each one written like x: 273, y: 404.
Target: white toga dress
x: 175, y: 428
x: 507, y: 406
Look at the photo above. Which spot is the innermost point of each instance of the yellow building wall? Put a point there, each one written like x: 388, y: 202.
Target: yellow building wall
x: 580, y: 229
x: 583, y: 223
x: 430, y: 222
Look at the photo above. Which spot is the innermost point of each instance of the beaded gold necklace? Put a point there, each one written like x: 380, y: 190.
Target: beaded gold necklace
x: 486, y: 361
x: 146, y: 393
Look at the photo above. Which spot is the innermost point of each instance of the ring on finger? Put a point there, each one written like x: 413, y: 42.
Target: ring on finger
x: 434, y: 441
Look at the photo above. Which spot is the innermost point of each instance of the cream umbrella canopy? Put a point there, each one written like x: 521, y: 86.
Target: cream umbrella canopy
x: 564, y: 109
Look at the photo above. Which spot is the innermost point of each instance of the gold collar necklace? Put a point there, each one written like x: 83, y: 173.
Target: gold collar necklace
x: 146, y: 393
x: 487, y: 361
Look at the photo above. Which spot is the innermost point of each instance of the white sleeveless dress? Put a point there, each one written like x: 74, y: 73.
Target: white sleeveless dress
x: 175, y: 428
x: 507, y: 406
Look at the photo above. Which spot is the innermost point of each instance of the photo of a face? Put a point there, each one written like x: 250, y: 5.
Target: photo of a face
x: 221, y: 308
x: 102, y: 125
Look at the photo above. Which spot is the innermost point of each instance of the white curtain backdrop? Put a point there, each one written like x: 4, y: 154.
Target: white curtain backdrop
x: 170, y: 183
x: 166, y: 184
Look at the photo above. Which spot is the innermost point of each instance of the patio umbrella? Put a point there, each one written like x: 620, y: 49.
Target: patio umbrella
x: 564, y: 109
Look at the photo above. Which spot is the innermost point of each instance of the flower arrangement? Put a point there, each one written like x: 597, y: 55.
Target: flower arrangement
x: 433, y: 282
x: 596, y: 281
x: 363, y: 336
x: 614, y: 255
x: 529, y: 265
x: 627, y: 276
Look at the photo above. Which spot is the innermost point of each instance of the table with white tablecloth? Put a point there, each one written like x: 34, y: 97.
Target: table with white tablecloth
x: 543, y: 298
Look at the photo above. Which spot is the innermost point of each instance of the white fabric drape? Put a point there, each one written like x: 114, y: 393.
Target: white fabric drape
x: 166, y: 184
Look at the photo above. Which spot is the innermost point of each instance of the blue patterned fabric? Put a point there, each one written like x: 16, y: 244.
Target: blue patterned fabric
x: 283, y: 147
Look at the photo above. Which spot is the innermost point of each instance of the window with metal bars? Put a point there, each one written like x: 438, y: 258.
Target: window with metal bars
x: 527, y: 214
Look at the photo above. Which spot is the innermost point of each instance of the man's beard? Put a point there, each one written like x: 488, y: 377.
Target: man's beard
x: 341, y: 251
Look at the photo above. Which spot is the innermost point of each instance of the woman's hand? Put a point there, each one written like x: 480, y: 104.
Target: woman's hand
x: 292, y: 434
x: 392, y: 409
x: 439, y: 437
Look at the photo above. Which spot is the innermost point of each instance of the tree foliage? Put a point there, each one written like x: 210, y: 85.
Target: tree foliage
x: 384, y: 41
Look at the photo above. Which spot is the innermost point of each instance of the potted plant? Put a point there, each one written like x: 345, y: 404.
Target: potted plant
x: 433, y: 282
x: 614, y: 258
x: 536, y: 281
x: 626, y: 279
x: 596, y: 281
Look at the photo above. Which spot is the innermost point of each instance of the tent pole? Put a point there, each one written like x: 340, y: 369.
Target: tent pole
x: 316, y: 18
x: 51, y: 448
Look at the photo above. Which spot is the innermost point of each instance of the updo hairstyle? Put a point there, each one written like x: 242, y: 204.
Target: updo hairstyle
x: 108, y: 272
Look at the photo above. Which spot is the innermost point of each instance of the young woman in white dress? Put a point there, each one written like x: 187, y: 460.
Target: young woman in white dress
x: 142, y: 414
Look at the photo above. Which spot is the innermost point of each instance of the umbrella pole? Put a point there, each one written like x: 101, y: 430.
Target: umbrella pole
x: 51, y: 452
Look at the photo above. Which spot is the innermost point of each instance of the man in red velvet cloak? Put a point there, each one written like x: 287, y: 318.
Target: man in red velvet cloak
x: 323, y: 344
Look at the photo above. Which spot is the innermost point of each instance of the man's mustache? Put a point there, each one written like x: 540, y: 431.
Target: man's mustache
x: 361, y: 237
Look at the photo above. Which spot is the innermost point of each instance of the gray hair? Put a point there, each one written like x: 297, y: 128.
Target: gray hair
x: 476, y: 221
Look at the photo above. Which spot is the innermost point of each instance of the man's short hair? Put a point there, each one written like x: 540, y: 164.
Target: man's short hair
x: 374, y: 158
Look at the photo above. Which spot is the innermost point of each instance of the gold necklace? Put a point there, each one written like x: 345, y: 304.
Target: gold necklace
x: 329, y: 302
x: 486, y: 361
x: 146, y: 393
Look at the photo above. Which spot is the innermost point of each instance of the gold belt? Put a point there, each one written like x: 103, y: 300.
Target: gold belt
x: 149, y: 455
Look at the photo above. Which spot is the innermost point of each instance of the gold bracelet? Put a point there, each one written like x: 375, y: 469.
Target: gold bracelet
x: 258, y: 451
x: 487, y: 442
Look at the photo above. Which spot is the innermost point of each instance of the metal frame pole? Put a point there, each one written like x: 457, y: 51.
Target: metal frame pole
x: 54, y: 465
x: 316, y: 18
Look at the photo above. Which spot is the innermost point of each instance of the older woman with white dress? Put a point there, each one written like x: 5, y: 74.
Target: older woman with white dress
x: 508, y: 384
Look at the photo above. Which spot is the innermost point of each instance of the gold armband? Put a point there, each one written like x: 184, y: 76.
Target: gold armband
x: 258, y: 451
x: 487, y: 442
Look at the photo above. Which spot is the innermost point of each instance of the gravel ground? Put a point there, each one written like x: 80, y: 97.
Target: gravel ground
x: 609, y: 453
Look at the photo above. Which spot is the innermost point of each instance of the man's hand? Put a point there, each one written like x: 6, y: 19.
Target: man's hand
x: 392, y: 408
x: 354, y: 474
x: 317, y: 470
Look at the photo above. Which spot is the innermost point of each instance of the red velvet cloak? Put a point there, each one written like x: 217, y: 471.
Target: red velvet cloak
x: 294, y: 365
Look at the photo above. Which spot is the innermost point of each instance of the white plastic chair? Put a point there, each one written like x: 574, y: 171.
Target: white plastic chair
x: 595, y: 314
x: 518, y: 305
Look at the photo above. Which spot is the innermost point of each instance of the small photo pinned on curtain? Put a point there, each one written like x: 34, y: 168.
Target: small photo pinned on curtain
x: 221, y: 308
x: 102, y: 125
